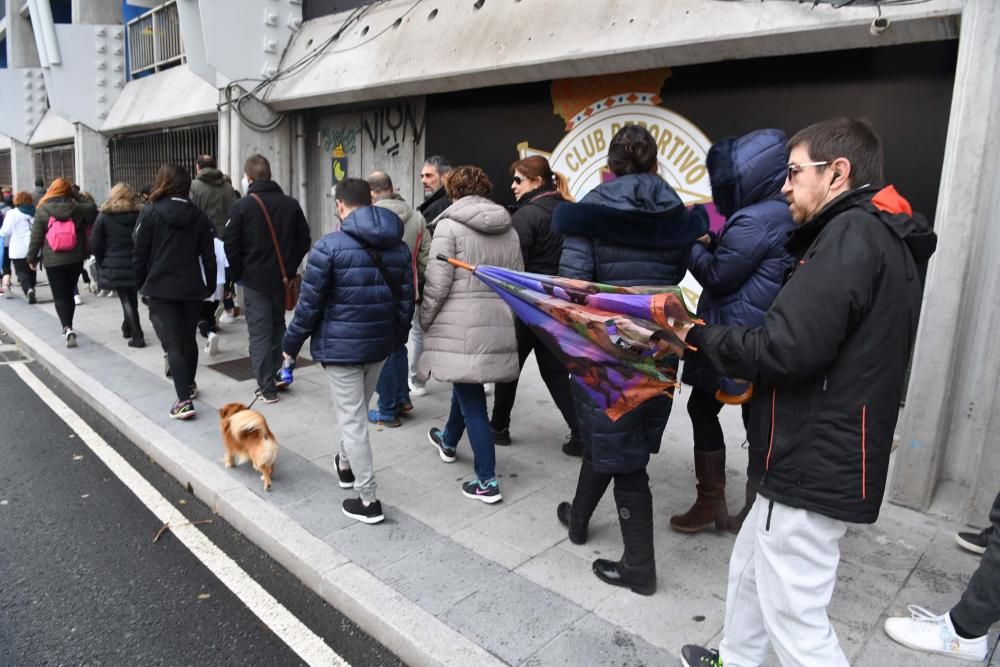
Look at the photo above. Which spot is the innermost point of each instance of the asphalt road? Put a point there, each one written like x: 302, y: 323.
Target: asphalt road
x: 82, y: 581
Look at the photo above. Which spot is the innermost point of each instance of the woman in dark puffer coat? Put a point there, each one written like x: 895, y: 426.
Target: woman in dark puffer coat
x: 634, y: 230
x: 112, y: 244
x: 741, y: 273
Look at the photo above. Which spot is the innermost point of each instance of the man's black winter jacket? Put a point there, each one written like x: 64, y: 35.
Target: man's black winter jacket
x: 249, y: 248
x: 830, y: 361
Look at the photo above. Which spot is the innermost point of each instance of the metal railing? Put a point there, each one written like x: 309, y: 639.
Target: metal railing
x: 135, y: 158
x: 55, y: 162
x: 154, y: 40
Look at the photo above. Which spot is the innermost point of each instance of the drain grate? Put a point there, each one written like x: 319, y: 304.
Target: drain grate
x: 240, y: 370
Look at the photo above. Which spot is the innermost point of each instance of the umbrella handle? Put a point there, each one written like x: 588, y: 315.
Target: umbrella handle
x: 456, y: 262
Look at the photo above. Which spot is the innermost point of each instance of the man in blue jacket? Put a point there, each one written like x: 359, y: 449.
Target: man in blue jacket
x: 355, y: 305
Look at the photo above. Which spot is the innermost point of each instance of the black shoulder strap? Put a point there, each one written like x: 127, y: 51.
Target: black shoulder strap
x: 394, y: 287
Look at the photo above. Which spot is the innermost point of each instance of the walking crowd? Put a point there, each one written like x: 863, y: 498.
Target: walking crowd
x: 808, y: 314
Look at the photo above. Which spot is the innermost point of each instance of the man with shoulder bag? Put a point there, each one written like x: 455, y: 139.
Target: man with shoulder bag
x: 266, y: 238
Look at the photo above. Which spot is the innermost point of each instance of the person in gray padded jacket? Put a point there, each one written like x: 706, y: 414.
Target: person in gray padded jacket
x: 469, y: 337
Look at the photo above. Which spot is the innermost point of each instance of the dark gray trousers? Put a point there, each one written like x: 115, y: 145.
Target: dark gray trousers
x: 979, y: 607
x: 265, y: 315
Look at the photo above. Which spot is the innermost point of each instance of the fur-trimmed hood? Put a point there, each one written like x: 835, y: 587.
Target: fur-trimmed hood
x: 639, y: 210
x: 747, y: 170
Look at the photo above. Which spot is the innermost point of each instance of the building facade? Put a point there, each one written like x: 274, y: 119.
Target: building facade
x: 333, y: 88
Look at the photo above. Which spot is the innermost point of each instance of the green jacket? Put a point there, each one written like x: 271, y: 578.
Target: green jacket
x: 82, y: 210
x: 211, y: 193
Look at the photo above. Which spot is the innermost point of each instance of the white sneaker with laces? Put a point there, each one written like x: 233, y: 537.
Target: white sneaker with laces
x: 212, y: 344
x: 77, y: 299
x: 926, y: 632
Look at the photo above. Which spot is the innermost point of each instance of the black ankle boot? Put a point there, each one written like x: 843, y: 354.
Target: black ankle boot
x: 577, y: 525
x: 637, y: 568
x: 641, y: 579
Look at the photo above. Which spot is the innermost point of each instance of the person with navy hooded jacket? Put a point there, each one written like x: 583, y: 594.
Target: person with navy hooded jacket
x: 632, y: 231
x: 741, y: 271
x: 355, y: 306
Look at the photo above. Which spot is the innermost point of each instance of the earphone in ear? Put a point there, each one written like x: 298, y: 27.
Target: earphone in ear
x: 836, y: 175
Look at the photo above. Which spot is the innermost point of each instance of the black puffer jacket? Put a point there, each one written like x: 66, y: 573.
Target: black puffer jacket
x: 632, y: 231
x: 249, y: 247
x: 111, y: 242
x: 174, y: 251
x: 830, y: 360
x: 532, y: 220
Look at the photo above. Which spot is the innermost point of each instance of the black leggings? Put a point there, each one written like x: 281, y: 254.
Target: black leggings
x: 704, y: 411
x: 553, y: 373
x: 177, y: 327
x: 25, y: 275
x: 62, y: 282
x: 130, y: 311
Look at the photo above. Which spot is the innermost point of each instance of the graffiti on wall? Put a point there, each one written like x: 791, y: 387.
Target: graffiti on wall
x: 344, y: 137
x: 387, y: 128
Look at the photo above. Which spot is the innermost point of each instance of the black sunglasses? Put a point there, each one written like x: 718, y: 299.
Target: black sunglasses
x: 518, y: 179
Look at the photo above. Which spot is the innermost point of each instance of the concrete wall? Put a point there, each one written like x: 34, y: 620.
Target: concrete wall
x: 389, y: 137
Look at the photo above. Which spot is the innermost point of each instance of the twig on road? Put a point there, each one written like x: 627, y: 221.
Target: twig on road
x: 165, y: 526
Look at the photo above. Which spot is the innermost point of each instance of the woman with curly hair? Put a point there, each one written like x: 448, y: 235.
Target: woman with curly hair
x: 469, y: 337
x: 112, y: 244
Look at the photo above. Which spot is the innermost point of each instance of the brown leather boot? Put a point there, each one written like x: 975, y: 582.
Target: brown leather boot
x: 736, y: 522
x: 710, y: 506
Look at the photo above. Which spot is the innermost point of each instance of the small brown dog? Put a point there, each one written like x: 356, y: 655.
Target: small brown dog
x: 245, y: 435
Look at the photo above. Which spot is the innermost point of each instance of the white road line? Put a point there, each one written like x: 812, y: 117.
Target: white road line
x: 282, y: 622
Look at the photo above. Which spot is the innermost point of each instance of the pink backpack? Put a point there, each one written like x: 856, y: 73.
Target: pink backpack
x: 61, y: 235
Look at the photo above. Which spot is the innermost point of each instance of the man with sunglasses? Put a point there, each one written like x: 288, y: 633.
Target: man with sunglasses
x: 828, y: 366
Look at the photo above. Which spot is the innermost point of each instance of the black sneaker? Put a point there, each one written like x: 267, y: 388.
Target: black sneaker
x: 488, y: 492
x: 32, y: 299
x: 182, y: 410
x: 501, y: 438
x: 266, y: 396
x: 975, y: 542
x: 573, y: 447
x: 346, y: 476
x: 693, y: 655
x: 446, y: 453
x: 356, y: 509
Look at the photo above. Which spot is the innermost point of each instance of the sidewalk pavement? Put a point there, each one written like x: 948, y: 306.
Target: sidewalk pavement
x: 448, y: 580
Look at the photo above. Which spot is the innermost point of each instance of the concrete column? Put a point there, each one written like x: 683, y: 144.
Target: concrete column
x: 97, y: 11
x: 952, y: 399
x: 242, y: 141
x: 22, y: 166
x: 93, y: 163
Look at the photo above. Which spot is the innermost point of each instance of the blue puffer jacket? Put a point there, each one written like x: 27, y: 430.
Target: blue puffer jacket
x: 743, y: 270
x: 345, y: 305
x: 632, y: 231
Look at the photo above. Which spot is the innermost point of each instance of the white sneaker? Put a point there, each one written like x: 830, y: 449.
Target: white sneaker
x: 488, y: 388
x: 417, y: 389
x: 926, y: 632
x: 212, y: 344
x: 227, y: 318
x: 77, y: 299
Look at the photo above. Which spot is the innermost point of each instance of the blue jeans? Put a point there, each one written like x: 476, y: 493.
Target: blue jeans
x: 392, y: 387
x: 468, y: 408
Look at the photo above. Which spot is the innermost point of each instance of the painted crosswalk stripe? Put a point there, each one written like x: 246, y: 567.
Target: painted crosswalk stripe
x: 309, y: 646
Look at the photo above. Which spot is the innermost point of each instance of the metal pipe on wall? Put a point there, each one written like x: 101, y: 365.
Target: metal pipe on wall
x: 300, y: 160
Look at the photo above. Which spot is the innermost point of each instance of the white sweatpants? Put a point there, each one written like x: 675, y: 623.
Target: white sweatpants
x: 351, y: 388
x: 415, y: 344
x: 781, y: 578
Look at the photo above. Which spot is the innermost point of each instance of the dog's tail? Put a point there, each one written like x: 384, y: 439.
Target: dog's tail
x: 246, y: 421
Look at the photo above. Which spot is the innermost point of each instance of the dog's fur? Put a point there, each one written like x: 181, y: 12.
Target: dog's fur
x: 245, y: 435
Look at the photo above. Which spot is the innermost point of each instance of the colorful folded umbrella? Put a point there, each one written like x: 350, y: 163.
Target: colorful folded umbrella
x: 619, y: 343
